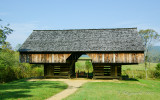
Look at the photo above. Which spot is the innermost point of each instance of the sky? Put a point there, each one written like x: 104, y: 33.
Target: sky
x: 24, y: 16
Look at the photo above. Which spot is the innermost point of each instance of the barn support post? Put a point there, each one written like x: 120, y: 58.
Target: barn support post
x: 112, y: 71
x: 71, y: 65
x: 45, y: 70
x: 119, y: 70
x: 115, y: 71
x: 73, y: 69
x: 48, y: 70
x: 93, y: 71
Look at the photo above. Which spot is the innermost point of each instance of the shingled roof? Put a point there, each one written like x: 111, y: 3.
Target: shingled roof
x: 83, y: 40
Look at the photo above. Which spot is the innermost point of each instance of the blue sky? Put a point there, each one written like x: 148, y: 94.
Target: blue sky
x: 27, y: 15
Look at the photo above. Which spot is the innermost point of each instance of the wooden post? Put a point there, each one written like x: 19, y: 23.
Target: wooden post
x: 115, y: 70
x: 78, y: 74
x: 93, y: 72
x: 119, y: 72
x: 45, y: 70
x: 112, y: 71
x: 88, y: 74
x: 73, y: 69
x: 53, y: 70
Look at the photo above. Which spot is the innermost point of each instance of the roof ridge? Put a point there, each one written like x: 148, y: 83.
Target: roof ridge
x: 87, y: 29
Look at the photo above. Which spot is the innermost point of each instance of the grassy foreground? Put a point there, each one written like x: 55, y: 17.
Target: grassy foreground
x: 27, y: 90
x: 123, y: 90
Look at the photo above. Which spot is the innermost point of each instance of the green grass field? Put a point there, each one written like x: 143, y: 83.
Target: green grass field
x: 123, y: 90
x: 138, y: 71
x: 27, y: 90
x: 139, y: 66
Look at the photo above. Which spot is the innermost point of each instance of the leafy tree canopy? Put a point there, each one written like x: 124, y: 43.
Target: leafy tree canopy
x: 148, y: 36
x: 4, y: 31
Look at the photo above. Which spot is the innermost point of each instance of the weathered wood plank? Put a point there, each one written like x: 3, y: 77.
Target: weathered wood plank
x: 99, y: 71
x: 116, y: 57
x: 96, y: 58
x: 99, y: 74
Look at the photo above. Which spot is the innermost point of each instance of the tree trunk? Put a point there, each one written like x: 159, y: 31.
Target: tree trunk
x: 146, y: 69
x: 87, y: 73
x: 145, y: 62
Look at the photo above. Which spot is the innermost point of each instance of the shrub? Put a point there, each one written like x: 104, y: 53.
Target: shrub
x: 157, y: 71
x: 11, y: 69
x: 157, y: 74
x: 158, y: 67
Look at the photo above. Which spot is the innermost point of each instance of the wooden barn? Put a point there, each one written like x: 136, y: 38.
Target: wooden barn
x: 58, y: 50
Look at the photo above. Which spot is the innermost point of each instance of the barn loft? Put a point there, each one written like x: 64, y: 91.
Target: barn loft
x: 58, y: 50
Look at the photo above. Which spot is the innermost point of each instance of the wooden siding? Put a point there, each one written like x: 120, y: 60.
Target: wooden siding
x: 65, y: 70
x: 123, y: 58
x: 100, y: 71
x: 43, y: 58
x: 116, y: 57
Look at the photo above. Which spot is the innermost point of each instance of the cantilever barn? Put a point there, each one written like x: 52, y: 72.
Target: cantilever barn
x: 58, y: 50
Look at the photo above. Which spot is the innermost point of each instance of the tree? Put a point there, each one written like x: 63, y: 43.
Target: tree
x: 6, y: 45
x: 4, y: 31
x: 88, y: 65
x: 148, y: 36
x: 78, y: 66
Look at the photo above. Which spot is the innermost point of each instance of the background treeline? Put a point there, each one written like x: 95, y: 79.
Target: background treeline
x: 154, y: 54
x: 11, y: 69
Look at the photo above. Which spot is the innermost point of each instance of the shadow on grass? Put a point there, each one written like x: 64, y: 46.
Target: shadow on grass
x: 126, y: 78
x: 14, y: 95
x: 21, y: 88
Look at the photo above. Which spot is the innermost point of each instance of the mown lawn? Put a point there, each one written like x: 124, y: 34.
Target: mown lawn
x: 30, y: 90
x: 123, y: 90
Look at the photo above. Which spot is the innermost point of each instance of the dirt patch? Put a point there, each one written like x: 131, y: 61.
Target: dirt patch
x: 73, y: 85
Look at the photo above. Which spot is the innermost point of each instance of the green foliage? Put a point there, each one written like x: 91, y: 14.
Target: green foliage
x: 138, y: 71
x: 4, y: 31
x: 11, y: 69
x: 158, y: 67
x: 89, y: 66
x: 83, y: 66
x: 157, y: 71
x: 148, y: 36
